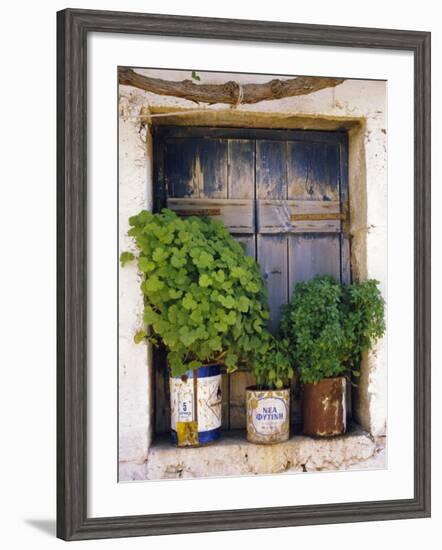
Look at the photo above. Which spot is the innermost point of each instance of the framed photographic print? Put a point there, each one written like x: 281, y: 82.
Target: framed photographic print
x: 243, y: 274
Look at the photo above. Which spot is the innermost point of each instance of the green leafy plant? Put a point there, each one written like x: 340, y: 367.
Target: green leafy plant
x: 204, y: 297
x: 272, y: 363
x: 329, y: 325
x: 363, y: 320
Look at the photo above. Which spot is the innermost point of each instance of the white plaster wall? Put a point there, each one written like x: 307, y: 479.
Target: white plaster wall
x: 357, y: 105
x: 134, y: 365
x: 372, y: 409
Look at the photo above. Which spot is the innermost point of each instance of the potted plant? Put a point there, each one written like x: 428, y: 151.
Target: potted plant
x: 268, y: 402
x: 329, y: 325
x: 205, y: 302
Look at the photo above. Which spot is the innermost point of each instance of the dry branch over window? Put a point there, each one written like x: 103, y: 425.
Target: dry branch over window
x: 230, y: 92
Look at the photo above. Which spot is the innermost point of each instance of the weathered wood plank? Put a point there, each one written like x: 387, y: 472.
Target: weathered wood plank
x: 271, y: 183
x: 345, y: 207
x: 272, y: 257
x: 241, y: 186
x: 324, y: 226
x: 291, y: 216
x: 303, y: 206
x: 311, y: 255
x: 162, y: 392
x: 241, y: 174
x: 312, y: 170
x: 271, y: 170
x: 196, y: 167
x: 345, y: 240
x: 210, y: 168
x: 317, y: 136
x: 345, y: 259
x: 236, y: 214
x: 249, y: 243
x: 179, y: 167
x: 295, y: 407
x: 239, y: 381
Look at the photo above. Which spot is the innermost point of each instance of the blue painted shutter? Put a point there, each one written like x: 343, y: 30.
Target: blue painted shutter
x: 284, y: 194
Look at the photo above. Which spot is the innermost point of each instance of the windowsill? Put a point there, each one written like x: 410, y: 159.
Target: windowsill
x: 233, y: 455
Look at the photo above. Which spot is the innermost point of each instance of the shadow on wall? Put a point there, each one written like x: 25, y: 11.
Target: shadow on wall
x: 47, y: 526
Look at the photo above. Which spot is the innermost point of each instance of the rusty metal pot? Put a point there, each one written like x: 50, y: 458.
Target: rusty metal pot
x: 324, y: 407
x: 268, y: 415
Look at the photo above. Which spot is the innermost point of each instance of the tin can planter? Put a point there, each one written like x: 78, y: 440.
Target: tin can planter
x: 268, y: 415
x: 195, y: 406
x: 324, y: 407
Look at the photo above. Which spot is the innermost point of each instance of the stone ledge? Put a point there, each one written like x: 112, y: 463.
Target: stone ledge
x: 233, y: 455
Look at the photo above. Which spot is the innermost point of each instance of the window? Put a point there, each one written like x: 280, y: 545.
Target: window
x: 283, y: 193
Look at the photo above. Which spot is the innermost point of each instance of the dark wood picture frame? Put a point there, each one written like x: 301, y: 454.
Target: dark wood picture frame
x: 73, y: 27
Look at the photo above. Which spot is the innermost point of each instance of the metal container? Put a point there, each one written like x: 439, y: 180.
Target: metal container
x: 195, y: 406
x: 324, y: 407
x: 268, y: 415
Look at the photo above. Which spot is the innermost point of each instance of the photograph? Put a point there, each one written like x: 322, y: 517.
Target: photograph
x: 252, y: 274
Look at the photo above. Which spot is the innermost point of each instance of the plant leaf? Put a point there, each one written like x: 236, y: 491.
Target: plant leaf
x: 126, y: 257
x: 140, y: 336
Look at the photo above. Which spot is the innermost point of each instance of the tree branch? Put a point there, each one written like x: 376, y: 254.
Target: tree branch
x: 230, y: 92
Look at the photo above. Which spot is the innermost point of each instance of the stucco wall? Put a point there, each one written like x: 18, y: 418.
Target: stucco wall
x: 358, y: 106
x: 135, y: 193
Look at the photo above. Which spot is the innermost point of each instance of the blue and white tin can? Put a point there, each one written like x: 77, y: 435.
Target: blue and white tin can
x: 196, y: 406
x: 268, y: 415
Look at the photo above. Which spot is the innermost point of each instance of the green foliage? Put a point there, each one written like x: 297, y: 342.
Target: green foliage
x: 329, y: 325
x: 195, y: 76
x: 363, y: 320
x: 204, y: 298
x: 312, y: 323
x: 126, y: 257
x: 272, y: 362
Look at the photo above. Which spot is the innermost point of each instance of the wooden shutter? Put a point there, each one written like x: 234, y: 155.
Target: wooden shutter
x: 283, y: 193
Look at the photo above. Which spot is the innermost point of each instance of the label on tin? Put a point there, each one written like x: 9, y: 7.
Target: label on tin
x: 209, y: 402
x: 185, y: 408
x: 269, y: 415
